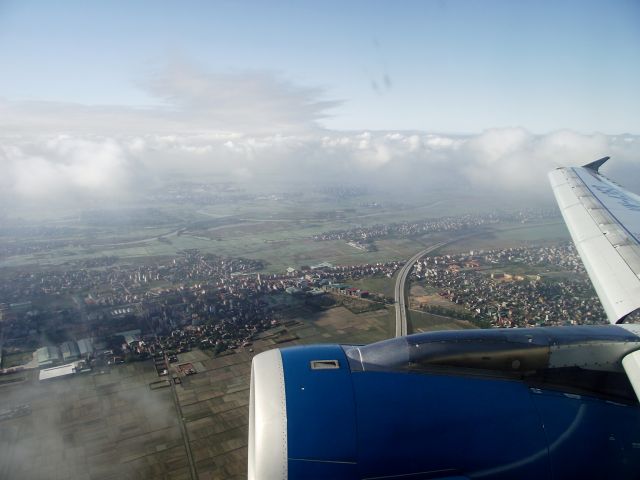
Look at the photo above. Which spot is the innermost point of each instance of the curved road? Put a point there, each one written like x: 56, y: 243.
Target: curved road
x: 400, y: 294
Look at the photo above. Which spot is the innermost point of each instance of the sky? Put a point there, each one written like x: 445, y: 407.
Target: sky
x: 256, y: 88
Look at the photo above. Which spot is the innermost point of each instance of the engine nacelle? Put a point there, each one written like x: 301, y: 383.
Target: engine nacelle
x: 525, y: 403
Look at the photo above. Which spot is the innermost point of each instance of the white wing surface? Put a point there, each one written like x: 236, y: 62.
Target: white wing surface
x: 604, y: 222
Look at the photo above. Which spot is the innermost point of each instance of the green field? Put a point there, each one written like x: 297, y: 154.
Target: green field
x: 383, y: 285
x: 15, y: 359
x: 507, y: 236
x: 424, y: 322
x: 277, y: 231
x: 291, y: 246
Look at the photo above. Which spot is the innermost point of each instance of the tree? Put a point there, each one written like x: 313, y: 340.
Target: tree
x: 115, y: 342
x: 220, y: 347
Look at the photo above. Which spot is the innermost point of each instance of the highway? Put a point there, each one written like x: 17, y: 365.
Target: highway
x: 400, y: 293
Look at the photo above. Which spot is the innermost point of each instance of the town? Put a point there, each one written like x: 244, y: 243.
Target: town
x: 444, y: 224
x: 216, y: 303
x: 193, y: 300
x: 502, y: 299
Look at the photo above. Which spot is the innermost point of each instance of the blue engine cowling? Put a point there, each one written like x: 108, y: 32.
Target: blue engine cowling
x: 446, y: 405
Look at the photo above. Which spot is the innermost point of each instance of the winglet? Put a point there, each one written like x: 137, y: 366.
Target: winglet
x: 595, y: 166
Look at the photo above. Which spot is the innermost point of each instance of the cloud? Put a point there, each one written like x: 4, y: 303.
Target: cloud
x: 188, y: 100
x: 248, y: 101
x: 64, y: 169
x: 503, y: 162
x: 257, y: 127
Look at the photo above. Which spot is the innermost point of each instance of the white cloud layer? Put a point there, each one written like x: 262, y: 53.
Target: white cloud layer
x: 63, y: 168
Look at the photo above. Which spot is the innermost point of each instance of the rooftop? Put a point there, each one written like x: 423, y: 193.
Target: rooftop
x: 56, y: 372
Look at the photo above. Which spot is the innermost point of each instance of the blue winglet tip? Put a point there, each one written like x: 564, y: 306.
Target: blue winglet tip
x: 595, y: 166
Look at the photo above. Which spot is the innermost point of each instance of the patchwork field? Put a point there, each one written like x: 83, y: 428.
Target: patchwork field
x: 105, y: 425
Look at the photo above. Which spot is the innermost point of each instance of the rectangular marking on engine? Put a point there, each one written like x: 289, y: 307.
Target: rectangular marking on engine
x: 324, y: 364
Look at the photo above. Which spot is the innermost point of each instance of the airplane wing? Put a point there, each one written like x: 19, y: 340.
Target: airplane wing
x: 604, y: 222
